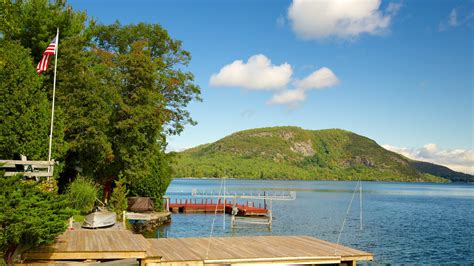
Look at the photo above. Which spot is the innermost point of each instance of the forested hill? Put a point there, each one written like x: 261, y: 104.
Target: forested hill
x: 295, y: 153
x: 442, y: 171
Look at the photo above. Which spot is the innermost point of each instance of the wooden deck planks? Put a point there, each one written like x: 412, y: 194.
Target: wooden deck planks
x: 293, y: 248
x: 118, y: 244
x: 88, y: 244
x: 331, y: 247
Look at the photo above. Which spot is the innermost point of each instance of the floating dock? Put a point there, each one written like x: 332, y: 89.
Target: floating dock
x: 205, y: 205
x: 122, y: 245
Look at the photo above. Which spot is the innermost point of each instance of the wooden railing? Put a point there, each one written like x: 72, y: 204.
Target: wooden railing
x: 28, y: 168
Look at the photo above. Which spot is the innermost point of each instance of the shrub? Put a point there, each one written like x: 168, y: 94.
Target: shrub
x: 28, y: 216
x: 155, y: 184
x: 82, y: 194
x: 118, y: 199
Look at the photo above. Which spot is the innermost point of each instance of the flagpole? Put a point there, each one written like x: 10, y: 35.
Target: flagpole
x: 54, y: 95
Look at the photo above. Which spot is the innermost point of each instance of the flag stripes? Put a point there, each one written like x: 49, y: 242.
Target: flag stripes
x: 50, y: 50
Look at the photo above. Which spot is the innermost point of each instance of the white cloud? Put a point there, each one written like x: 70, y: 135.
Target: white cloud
x: 288, y: 97
x: 340, y: 18
x: 393, y: 8
x: 172, y: 148
x: 458, y: 159
x: 453, y: 18
x: 257, y: 74
x: 450, y: 22
x: 457, y: 17
x: 319, y: 79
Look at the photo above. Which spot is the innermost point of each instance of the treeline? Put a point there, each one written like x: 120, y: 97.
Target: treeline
x: 231, y: 167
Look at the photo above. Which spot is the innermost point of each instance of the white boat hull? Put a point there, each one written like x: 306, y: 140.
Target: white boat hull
x: 100, y: 219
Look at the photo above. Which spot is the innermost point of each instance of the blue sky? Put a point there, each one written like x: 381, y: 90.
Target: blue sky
x: 400, y: 72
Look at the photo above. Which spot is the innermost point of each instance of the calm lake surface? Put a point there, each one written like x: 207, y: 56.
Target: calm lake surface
x: 402, y: 222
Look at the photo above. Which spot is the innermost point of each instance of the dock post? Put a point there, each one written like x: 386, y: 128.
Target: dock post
x: 264, y: 200
x: 270, y: 219
x: 124, y: 219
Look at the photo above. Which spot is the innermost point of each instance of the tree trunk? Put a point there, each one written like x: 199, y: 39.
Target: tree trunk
x: 9, y: 254
x: 107, y: 189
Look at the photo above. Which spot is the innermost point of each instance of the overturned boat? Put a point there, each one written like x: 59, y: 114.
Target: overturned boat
x: 140, y: 204
x: 99, y: 218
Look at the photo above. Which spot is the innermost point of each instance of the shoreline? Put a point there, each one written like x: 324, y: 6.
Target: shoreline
x: 322, y: 180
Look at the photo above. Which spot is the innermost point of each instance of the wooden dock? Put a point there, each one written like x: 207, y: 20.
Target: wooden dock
x: 252, y: 250
x: 210, y: 206
x: 147, y: 222
x: 93, y: 245
x: 147, y: 216
x: 107, y: 245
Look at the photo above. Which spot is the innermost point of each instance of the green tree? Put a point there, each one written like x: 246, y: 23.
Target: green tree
x: 28, y: 216
x: 34, y: 22
x: 128, y: 94
x: 122, y: 88
x: 25, y: 109
x: 118, y: 199
x: 154, y: 184
x: 87, y: 89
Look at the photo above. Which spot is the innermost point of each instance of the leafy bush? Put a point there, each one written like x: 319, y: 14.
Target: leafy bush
x: 118, y: 199
x: 29, y: 216
x: 82, y: 193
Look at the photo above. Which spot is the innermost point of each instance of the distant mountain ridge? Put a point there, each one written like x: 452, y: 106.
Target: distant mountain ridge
x: 442, y: 171
x: 296, y: 153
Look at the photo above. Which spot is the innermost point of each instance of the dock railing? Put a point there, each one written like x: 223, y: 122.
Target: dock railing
x: 258, y: 195
x: 267, y: 196
x: 28, y: 168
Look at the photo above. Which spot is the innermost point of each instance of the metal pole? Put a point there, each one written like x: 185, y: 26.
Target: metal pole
x: 360, y: 197
x: 223, y: 213
x: 271, y: 214
x: 54, y: 95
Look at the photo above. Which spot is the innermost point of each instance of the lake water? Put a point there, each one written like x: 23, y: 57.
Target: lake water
x: 402, y: 222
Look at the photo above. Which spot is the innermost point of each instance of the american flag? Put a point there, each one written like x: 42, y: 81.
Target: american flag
x: 51, y: 50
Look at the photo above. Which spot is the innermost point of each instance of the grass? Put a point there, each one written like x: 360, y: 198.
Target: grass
x: 79, y: 218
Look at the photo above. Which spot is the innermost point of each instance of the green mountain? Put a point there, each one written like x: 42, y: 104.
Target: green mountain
x: 442, y: 171
x: 295, y: 153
